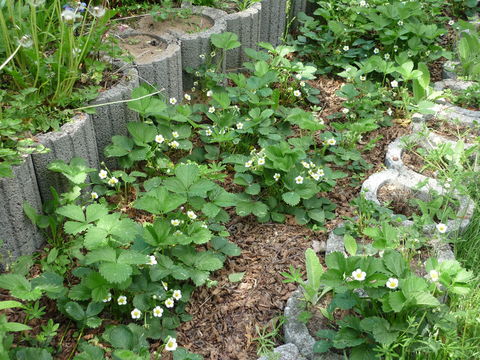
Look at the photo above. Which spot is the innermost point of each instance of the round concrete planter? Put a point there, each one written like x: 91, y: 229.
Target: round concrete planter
x: 17, y: 233
x: 441, y: 251
x: 456, y: 85
x: 273, y: 21
x: 196, y: 44
x: 410, y: 180
x: 112, y: 118
x: 164, y: 70
x: 297, y: 333
x: 74, y: 139
x: 246, y: 24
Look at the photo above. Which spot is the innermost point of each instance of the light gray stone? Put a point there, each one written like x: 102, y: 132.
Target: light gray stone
x: 453, y: 84
x: 246, y: 24
x: 111, y: 119
x: 74, y: 139
x: 273, y: 22
x: 448, y: 71
x: 411, y: 180
x: 284, y: 352
x: 17, y: 233
x: 297, y: 333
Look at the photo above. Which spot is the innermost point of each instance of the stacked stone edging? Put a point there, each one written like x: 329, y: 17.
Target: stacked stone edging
x: 247, y: 25
x: 74, y: 139
x: 18, y: 235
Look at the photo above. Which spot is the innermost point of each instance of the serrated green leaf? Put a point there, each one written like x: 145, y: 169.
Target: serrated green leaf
x: 95, y: 212
x: 114, y: 272
x: 291, y: 198
x: 75, y: 311
x: 71, y: 211
x: 207, y: 261
x: 350, y: 244
x: 132, y: 257
x: 104, y: 254
x: 210, y: 210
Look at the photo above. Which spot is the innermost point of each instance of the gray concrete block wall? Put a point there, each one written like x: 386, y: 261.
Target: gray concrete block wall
x: 297, y: 7
x: 17, y: 233
x: 165, y: 72
x: 112, y: 119
x: 273, y: 22
x: 246, y: 24
x: 196, y: 44
x: 74, y: 139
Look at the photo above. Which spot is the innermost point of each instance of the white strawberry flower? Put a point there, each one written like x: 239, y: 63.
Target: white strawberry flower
x: 451, y: 22
x: 331, y: 141
x: 239, y: 126
x: 386, y: 56
x: 297, y: 93
x: 174, y: 144
x: 191, y: 215
x: 298, y: 76
x: 320, y: 172
x: 211, y: 109
x: 208, y: 132
x: 248, y: 164
x: 112, y: 181
x: 175, y: 222
x: 94, y: 195
x: 152, y: 260
x: 276, y: 176
x: 442, y: 228
x: 376, y: 51
x: 209, y: 93
x: 363, y: 77
x: 103, y: 174
x: 345, y: 110
x: 346, y: 48
x: 177, y: 294
x: 173, y: 100
x: 314, y: 175
x: 107, y: 298
x: 359, y: 275
x: 175, y: 134
x: 165, y: 285
x: 389, y: 112
x: 202, y: 56
x: 122, y: 300
x: 136, y: 314
x: 392, y: 283
x: 400, y: 23
x: 434, y: 275
x: 187, y: 97
x: 261, y: 161
x: 171, y: 344
x: 159, y: 139
x: 169, y: 303
x: 157, y: 311
x: 394, y: 83
x: 305, y: 164
x: 299, y: 180
x: 302, y: 83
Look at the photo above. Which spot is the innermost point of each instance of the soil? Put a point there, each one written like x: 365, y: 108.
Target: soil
x: 414, y: 161
x: 398, y: 198
x: 454, y: 131
x: 194, y: 24
x: 145, y: 49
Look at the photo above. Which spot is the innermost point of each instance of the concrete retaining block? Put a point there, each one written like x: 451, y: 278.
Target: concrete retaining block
x: 441, y: 250
x: 164, y: 70
x: 448, y: 71
x: 17, y: 233
x: 196, y: 44
x: 284, y: 352
x: 111, y: 119
x: 297, y: 7
x: 297, y: 333
x: 411, y: 180
x: 273, y: 21
x: 246, y: 24
x: 74, y: 139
